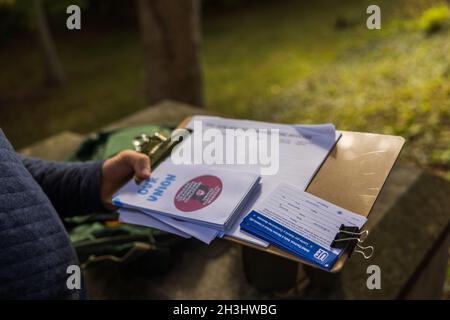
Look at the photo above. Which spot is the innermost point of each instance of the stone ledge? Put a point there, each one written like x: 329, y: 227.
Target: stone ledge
x: 407, y: 222
x: 61, y: 145
x: 411, y: 226
x: 166, y: 112
x: 57, y: 147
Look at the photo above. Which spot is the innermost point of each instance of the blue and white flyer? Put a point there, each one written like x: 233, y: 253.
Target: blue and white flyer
x: 301, y: 224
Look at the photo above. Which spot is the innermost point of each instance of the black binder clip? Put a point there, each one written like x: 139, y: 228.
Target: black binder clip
x: 350, y: 237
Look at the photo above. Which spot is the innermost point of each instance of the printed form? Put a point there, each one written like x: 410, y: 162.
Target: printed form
x: 301, y: 223
x: 302, y: 150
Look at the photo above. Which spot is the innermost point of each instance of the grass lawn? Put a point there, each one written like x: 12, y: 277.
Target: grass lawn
x: 393, y: 81
x: 282, y: 61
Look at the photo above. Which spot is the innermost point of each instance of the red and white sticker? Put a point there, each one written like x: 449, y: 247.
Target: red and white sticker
x: 198, y: 193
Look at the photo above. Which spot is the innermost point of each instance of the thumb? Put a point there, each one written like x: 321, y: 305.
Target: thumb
x: 140, y: 164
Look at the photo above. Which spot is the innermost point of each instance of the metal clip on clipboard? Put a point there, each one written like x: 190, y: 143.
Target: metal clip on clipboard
x: 157, y: 146
x: 350, y: 237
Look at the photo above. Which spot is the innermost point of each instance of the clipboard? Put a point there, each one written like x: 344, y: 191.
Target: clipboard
x: 351, y: 177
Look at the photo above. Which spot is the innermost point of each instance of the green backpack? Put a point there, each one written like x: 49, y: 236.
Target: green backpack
x: 101, y: 238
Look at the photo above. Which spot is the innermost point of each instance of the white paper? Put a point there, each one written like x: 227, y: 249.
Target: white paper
x: 307, y: 215
x: 201, y: 233
x: 303, y: 148
x: 139, y: 218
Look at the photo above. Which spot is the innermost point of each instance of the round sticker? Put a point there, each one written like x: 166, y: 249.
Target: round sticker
x: 198, y: 193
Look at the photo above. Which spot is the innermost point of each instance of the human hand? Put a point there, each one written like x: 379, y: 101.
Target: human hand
x: 117, y: 170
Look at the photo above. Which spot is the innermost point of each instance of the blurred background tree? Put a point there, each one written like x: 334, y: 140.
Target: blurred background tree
x: 170, y: 31
x: 32, y: 16
x: 55, y: 72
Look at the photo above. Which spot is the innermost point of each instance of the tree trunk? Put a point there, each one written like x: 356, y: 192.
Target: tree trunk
x: 55, y: 73
x: 170, y: 31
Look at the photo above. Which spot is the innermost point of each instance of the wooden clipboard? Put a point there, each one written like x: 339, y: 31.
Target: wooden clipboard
x: 351, y: 177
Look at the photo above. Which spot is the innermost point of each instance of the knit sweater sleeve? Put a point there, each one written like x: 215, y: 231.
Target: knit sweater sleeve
x: 72, y: 187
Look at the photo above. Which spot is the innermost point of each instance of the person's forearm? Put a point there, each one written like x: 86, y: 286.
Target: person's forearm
x: 73, y: 188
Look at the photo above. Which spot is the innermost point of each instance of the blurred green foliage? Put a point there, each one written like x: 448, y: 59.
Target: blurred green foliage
x: 278, y: 61
x: 17, y: 16
x: 435, y: 19
x: 393, y: 81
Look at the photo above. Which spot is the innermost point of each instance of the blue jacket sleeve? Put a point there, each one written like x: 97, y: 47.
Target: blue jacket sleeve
x: 72, y: 187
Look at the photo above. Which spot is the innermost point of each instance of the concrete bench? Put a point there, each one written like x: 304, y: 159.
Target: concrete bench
x: 61, y: 145
x: 410, y: 232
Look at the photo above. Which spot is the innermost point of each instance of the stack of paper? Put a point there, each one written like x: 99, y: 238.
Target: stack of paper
x: 197, y: 201
x: 301, y: 149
